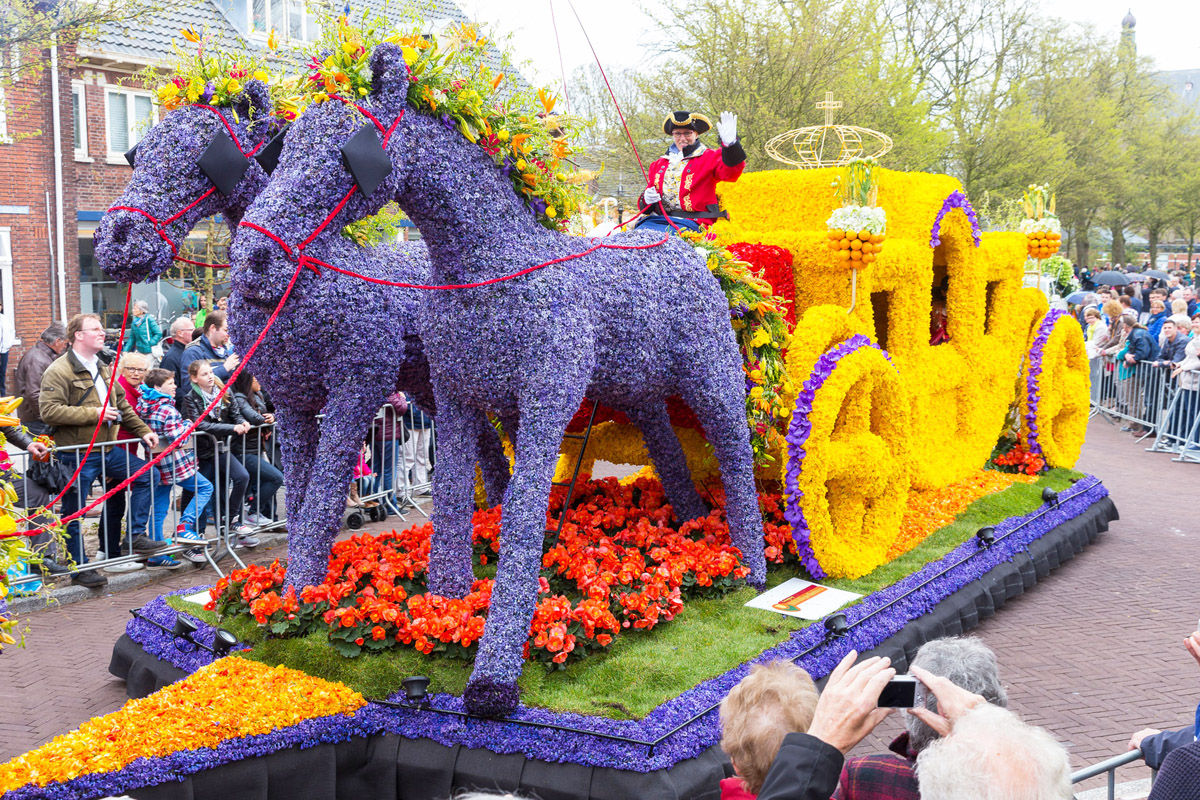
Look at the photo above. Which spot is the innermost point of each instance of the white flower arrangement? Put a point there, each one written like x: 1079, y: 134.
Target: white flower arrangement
x: 858, y: 218
x: 1046, y: 224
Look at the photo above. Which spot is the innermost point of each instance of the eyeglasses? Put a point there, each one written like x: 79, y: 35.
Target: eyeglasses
x: 135, y: 369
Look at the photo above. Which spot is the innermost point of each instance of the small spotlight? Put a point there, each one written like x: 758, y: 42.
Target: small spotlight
x: 1050, y: 496
x: 986, y: 536
x: 835, y: 625
x: 416, y: 689
x: 184, y: 628
x: 223, y: 642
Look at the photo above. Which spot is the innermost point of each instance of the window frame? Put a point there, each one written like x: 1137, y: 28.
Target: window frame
x: 113, y: 156
x: 5, y: 138
x: 80, y: 88
x: 283, y: 31
x: 7, y: 292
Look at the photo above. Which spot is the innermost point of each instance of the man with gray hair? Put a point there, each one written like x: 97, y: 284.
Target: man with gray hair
x: 965, y: 662
x: 181, y: 336
x: 143, y: 331
x: 984, y: 752
x: 27, y: 383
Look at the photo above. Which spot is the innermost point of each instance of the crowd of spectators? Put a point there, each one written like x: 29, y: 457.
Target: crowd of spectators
x: 229, y: 472
x: 1143, y: 344
x: 786, y: 741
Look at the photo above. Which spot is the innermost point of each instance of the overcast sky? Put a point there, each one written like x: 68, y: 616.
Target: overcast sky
x: 622, y: 35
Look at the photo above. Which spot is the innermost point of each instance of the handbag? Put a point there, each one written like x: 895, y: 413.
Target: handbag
x: 52, y: 475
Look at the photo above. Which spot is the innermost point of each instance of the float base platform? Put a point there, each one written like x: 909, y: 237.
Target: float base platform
x: 391, y: 766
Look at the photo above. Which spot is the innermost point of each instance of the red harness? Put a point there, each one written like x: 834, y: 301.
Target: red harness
x: 297, y: 254
x: 161, y: 225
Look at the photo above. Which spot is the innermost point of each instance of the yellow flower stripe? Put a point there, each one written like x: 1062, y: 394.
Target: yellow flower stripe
x: 203, y: 710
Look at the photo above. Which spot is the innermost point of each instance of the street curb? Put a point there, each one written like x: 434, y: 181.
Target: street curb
x: 67, y: 593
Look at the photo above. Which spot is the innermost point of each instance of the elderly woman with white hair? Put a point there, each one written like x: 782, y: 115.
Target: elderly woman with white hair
x: 144, y: 331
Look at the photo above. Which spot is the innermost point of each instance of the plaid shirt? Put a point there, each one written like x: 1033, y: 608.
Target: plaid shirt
x: 162, y: 417
x: 881, y: 777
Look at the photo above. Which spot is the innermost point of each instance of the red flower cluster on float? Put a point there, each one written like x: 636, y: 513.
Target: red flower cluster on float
x: 618, y: 565
x: 774, y: 265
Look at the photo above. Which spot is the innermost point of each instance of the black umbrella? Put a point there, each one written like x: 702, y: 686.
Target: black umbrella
x: 1110, y: 277
x: 1156, y: 273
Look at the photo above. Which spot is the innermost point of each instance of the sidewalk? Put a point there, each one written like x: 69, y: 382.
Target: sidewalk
x: 1093, y: 653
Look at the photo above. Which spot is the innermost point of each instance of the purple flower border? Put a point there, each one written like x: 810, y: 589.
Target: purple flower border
x: 956, y: 200
x: 1013, y: 537
x: 797, y: 435
x: 1033, y: 377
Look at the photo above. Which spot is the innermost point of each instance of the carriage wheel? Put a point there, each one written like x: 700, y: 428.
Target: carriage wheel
x: 1057, y: 383
x: 847, y: 471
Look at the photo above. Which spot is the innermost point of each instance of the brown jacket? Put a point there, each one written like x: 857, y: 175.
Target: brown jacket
x: 70, y: 403
x: 28, y: 380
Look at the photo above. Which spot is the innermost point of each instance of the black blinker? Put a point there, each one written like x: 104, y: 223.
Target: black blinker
x: 223, y: 163
x: 268, y: 156
x: 131, y: 154
x: 366, y: 159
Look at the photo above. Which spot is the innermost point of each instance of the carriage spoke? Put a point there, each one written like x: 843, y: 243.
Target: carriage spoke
x: 860, y: 462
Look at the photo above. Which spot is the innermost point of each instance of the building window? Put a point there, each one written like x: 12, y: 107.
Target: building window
x: 6, y: 274
x: 290, y: 19
x: 79, y: 115
x: 129, y: 115
x: 4, y: 137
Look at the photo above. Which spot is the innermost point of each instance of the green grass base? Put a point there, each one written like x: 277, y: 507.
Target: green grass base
x: 642, y: 670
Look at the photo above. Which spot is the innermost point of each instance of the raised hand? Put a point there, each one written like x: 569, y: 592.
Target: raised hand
x: 727, y: 127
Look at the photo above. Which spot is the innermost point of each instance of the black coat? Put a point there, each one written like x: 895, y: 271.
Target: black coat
x: 219, y: 422
x: 805, y: 769
x: 253, y: 411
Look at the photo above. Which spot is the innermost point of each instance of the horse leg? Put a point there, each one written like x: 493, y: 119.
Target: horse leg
x: 297, y: 432
x: 723, y: 414
x: 450, y: 570
x: 311, y: 535
x: 669, y: 461
x: 492, y: 688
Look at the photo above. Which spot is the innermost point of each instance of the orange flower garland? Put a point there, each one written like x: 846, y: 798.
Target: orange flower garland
x: 932, y: 509
x: 206, y: 708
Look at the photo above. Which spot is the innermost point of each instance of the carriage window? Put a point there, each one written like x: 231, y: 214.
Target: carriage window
x: 880, y: 306
x: 992, y: 288
x: 939, y: 292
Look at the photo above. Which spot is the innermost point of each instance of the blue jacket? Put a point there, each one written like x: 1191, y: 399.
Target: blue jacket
x: 1143, y: 346
x: 142, y: 335
x: 200, y: 348
x: 1174, y: 351
x: 1155, y: 322
x: 1155, y: 748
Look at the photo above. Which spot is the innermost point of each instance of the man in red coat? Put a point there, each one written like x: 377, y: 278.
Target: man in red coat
x: 683, y: 183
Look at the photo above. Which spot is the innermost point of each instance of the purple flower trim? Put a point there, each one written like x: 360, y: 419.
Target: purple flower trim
x: 797, y: 435
x: 161, y: 644
x: 956, y: 200
x: 1033, y: 377
x: 1013, y: 537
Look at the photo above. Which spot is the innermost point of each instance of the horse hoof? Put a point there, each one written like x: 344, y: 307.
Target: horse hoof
x: 489, y: 698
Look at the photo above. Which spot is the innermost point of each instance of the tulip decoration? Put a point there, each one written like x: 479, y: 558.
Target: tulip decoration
x: 1043, y: 231
x: 856, y: 230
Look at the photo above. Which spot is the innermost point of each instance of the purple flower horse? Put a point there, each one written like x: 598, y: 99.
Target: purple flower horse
x: 626, y: 327
x: 338, y: 348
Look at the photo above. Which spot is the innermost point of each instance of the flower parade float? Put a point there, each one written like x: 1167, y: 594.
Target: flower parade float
x: 589, y: 662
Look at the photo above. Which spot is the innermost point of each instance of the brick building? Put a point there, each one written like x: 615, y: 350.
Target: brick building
x: 50, y: 208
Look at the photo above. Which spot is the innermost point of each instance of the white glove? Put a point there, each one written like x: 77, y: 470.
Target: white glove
x: 727, y: 127
x: 651, y: 196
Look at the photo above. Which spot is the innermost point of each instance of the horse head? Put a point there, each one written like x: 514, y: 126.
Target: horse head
x: 334, y: 169
x: 198, y: 161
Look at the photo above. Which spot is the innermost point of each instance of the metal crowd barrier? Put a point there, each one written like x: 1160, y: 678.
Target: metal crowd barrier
x: 398, y: 447
x: 1109, y: 768
x: 1144, y: 394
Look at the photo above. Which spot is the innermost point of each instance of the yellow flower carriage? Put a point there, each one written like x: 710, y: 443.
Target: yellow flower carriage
x: 883, y: 409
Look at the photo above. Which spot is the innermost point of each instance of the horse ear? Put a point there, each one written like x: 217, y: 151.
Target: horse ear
x: 389, y: 76
x: 255, y: 100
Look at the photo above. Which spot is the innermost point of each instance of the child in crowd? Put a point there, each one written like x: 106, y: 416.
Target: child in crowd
x: 774, y: 700
x: 157, y: 407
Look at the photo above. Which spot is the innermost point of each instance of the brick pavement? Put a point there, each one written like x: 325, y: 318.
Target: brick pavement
x: 1093, y: 653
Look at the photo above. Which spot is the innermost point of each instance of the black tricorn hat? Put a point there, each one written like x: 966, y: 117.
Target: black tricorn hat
x: 689, y: 120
